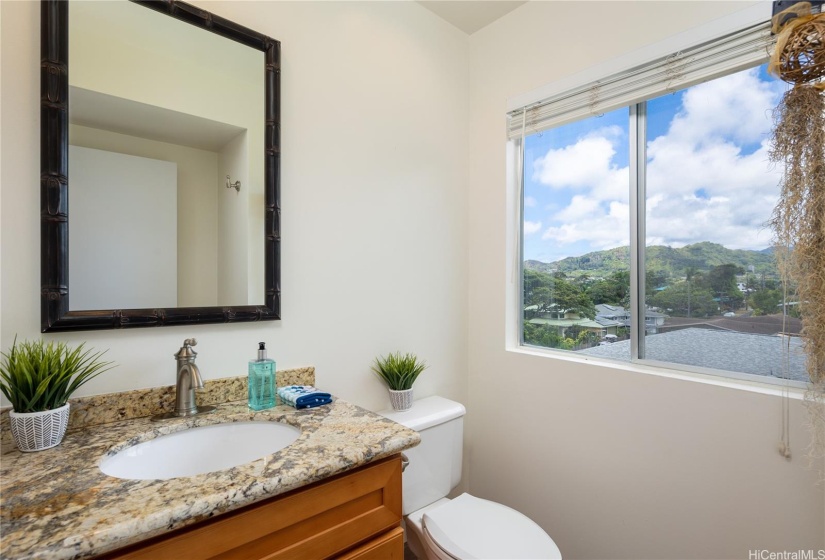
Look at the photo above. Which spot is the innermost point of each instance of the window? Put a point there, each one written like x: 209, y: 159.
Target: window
x: 577, y: 233
x: 644, y: 228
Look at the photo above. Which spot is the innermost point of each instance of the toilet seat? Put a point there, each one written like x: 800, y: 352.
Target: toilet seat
x: 472, y: 528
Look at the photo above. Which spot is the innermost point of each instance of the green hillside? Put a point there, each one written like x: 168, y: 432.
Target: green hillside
x: 672, y: 262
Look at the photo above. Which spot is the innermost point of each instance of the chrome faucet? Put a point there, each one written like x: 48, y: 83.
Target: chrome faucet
x: 188, y: 379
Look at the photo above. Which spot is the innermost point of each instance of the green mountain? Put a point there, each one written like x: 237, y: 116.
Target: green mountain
x: 670, y: 261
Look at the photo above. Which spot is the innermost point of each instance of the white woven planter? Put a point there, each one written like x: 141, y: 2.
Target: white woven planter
x: 401, y: 400
x: 35, y: 431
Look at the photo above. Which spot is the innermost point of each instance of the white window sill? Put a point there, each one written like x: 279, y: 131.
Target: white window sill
x: 776, y: 387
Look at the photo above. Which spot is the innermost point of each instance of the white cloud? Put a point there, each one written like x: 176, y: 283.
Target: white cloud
x: 604, y: 227
x: 708, y: 176
x: 531, y: 227
x: 735, y: 108
x: 580, y: 208
x: 702, y: 153
x: 529, y: 202
x: 586, y: 165
x: 579, y: 166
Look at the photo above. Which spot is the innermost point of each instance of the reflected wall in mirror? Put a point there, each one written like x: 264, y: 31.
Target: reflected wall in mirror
x: 142, y: 128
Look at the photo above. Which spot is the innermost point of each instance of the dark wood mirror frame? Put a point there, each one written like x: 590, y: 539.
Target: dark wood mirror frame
x: 54, y: 181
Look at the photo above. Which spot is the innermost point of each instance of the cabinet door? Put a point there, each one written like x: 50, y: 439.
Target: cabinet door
x: 389, y: 546
x: 319, y: 521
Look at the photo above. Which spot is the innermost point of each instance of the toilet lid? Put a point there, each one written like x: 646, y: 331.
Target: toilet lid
x: 468, y: 528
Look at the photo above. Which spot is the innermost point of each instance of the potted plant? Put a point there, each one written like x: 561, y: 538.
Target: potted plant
x: 399, y: 372
x: 38, y: 379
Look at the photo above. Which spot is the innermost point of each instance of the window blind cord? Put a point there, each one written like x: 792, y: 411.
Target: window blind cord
x: 785, y: 442
x: 675, y: 70
x: 594, y: 98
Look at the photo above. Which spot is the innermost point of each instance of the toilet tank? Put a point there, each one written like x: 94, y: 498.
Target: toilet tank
x: 435, y: 463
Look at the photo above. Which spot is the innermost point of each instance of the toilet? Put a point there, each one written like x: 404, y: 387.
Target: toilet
x: 465, y: 527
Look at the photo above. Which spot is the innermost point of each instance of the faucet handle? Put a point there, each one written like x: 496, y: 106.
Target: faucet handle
x: 186, y: 352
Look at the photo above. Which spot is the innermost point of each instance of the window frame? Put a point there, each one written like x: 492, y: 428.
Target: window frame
x: 514, y: 332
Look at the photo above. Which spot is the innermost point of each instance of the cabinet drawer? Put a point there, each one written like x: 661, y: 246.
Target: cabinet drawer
x: 319, y: 521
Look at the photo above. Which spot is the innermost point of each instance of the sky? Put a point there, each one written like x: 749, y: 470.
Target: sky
x: 708, y: 173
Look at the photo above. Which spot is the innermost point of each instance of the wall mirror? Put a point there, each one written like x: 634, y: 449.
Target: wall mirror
x: 160, y: 131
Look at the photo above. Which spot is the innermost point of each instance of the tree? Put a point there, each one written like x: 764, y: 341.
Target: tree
x: 542, y: 335
x: 653, y: 279
x: 537, y: 287
x: 574, y: 331
x: 690, y: 274
x: 588, y: 338
x: 722, y: 282
x: 685, y: 301
x: 613, y: 290
x: 766, y: 302
x: 583, y: 281
x: 554, y: 293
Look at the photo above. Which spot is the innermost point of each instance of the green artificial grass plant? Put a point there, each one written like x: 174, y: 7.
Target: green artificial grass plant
x: 398, y: 371
x: 36, y: 376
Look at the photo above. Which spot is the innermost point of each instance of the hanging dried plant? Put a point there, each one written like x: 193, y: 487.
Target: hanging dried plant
x: 798, y: 220
x: 799, y: 217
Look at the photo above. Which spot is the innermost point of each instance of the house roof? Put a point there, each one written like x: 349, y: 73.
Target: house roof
x: 764, y: 324
x: 717, y: 349
x: 605, y: 309
x: 613, y: 311
x: 587, y: 323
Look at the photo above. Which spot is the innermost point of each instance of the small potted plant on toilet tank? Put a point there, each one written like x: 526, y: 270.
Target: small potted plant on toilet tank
x: 399, y: 372
x: 38, y: 378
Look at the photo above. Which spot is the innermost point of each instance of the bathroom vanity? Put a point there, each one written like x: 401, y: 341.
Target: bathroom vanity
x: 334, y: 492
x: 356, y: 515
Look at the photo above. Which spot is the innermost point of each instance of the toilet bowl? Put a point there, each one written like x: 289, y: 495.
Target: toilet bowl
x: 469, y: 527
x: 465, y: 527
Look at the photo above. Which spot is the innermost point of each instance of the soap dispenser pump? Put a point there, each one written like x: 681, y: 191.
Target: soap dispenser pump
x: 261, y: 380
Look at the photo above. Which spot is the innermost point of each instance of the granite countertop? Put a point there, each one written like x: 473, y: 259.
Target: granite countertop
x: 57, y: 503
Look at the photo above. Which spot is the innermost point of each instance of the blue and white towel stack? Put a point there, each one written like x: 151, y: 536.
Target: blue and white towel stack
x: 303, y: 396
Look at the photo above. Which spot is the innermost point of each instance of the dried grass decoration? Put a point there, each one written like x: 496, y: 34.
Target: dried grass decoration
x: 798, y: 220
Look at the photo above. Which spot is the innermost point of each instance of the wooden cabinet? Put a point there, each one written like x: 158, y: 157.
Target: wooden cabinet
x: 389, y: 546
x: 356, y: 516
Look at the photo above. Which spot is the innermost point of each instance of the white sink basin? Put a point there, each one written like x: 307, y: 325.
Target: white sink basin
x: 199, y: 450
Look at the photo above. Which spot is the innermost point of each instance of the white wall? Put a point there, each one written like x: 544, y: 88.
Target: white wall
x: 196, y: 235
x: 124, y: 214
x: 206, y: 75
x: 613, y: 463
x: 374, y: 182
x: 234, y: 214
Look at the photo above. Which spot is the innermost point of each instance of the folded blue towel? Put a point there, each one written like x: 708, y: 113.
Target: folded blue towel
x: 303, y: 396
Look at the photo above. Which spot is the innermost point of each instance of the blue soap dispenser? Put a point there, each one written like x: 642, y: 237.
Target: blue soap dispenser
x: 261, y: 381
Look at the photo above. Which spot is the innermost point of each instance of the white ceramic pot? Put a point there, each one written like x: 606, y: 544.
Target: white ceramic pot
x: 401, y: 400
x: 35, y: 431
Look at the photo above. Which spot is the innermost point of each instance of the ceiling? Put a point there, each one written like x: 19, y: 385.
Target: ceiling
x: 471, y: 15
x: 125, y: 116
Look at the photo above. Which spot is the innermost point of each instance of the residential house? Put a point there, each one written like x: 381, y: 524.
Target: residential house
x: 653, y: 319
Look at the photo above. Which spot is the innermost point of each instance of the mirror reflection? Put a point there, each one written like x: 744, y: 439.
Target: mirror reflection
x: 160, y: 113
